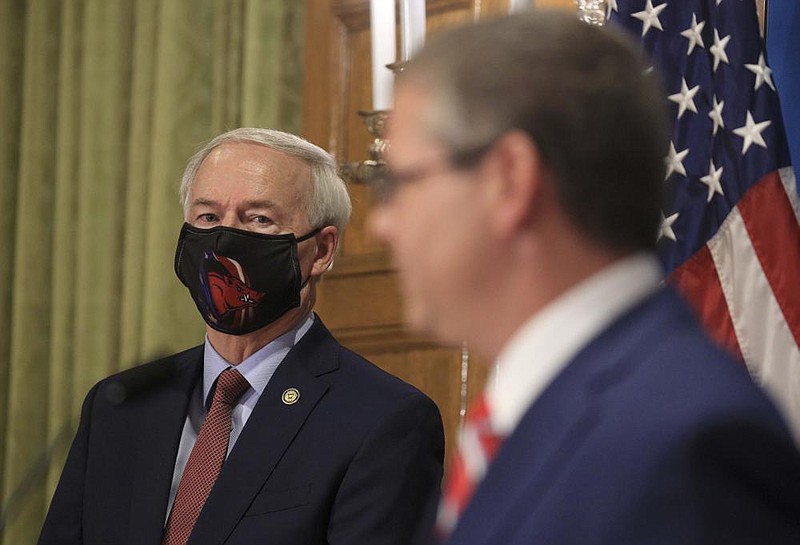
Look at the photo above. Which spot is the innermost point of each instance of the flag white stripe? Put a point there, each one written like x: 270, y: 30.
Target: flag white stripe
x: 767, y: 344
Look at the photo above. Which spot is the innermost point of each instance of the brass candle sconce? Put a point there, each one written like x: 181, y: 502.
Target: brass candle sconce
x: 362, y: 172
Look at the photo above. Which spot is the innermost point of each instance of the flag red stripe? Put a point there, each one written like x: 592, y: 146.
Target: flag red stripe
x: 698, y: 281
x: 775, y: 235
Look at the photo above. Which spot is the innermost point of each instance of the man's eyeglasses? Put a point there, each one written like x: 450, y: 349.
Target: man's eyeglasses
x: 385, y: 182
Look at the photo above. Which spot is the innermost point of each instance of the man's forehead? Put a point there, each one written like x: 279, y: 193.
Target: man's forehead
x: 248, y: 176
x: 222, y: 157
x: 255, y: 157
x: 256, y: 162
x: 409, y: 131
x: 412, y: 100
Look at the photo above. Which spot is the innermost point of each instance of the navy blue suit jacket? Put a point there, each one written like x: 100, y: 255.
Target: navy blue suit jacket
x: 650, y: 436
x: 357, y: 459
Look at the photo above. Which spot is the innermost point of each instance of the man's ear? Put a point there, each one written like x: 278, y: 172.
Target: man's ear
x: 516, y: 180
x: 327, y: 240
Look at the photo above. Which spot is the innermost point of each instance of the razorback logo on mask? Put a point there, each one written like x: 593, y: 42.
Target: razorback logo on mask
x: 227, y: 287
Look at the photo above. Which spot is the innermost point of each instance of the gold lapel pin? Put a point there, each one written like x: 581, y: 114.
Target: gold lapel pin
x: 290, y: 396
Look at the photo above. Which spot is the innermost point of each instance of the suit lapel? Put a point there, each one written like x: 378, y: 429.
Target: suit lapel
x: 268, y: 433
x: 528, y: 460
x: 159, y: 421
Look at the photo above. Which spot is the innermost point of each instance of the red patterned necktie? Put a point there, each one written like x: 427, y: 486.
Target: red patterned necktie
x: 206, y: 458
x: 477, y: 447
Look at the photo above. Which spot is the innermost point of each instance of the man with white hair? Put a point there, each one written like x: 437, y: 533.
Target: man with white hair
x: 269, y: 432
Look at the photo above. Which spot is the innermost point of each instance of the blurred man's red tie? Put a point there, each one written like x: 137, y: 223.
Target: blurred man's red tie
x: 477, y: 447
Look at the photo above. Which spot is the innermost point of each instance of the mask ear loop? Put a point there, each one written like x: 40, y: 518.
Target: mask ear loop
x: 303, y: 285
x: 307, y: 236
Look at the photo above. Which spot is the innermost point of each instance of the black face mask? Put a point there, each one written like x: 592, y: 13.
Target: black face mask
x: 240, y: 281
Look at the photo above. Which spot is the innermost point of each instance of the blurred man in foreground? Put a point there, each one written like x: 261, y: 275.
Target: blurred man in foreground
x: 270, y: 432
x: 522, y: 209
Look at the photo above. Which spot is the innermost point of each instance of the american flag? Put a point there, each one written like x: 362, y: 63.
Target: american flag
x: 729, y: 239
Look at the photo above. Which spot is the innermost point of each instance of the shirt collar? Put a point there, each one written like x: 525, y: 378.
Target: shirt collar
x: 549, y: 340
x: 259, y: 366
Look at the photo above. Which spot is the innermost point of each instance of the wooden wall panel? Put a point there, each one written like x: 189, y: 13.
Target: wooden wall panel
x: 359, y: 299
x: 437, y: 372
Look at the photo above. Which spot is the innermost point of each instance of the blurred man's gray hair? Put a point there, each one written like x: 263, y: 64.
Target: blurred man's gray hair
x: 583, y: 95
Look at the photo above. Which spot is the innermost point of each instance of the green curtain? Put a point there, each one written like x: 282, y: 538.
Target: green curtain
x: 101, y: 104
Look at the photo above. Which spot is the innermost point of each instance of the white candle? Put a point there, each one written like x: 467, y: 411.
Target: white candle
x: 382, y: 33
x: 520, y: 5
x: 412, y: 27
